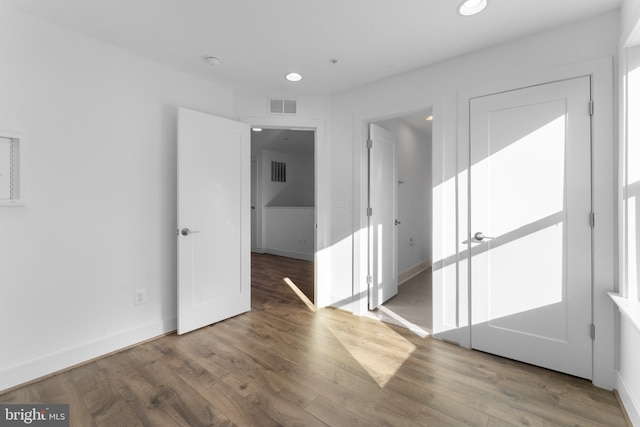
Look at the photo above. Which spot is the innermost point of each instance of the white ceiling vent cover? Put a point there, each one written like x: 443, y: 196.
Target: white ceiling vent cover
x: 283, y: 106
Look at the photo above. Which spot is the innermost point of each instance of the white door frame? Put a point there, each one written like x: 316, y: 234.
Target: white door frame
x: 380, y: 288
x: 256, y: 214
x: 322, y: 282
x: 568, y: 97
x: 603, y: 175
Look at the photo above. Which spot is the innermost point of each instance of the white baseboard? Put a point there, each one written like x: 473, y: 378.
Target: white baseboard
x: 33, y: 369
x: 289, y: 254
x: 631, y: 404
x: 414, y: 271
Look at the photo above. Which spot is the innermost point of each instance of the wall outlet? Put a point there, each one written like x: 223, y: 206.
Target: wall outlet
x: 140, y: 296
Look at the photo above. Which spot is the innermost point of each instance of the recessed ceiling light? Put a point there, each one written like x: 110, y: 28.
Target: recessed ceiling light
x: 429, y: 118
x: 256, y: 129
x: 293, y: 77
x: 471, y: 7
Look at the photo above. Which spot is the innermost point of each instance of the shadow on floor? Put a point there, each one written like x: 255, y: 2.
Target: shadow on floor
x: 411, y: 307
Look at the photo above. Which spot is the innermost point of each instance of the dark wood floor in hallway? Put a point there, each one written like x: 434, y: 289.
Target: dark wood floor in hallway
x: 284, y: 364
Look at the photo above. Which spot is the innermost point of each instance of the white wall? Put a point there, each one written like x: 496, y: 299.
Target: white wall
x: 414, y: 195
x: 288, y: 231
x: 298, y: 190
x: 288, y: 213
x: 100, y: 190
x: 565, y: 52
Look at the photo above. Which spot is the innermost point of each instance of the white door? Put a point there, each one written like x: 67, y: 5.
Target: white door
x: 213, y: 219
x: 530, y: 225
x: 383, y: 182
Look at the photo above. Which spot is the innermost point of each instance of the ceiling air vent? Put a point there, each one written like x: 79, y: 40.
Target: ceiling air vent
x: 283, y: 106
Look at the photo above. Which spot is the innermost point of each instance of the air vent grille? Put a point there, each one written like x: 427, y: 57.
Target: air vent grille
x: 283, y: 106
x: 278, y: 172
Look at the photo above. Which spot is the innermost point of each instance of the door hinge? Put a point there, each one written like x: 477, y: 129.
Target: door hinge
x: 593, y: 331
x: 592, y: 220
x: 369, y: 143
x: 591, y: 107
x: 369, y: 279
x: 369, y: 211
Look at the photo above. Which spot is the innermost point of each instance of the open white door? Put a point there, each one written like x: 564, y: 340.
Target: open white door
x: 383, y: 184
x: 213, y: 219
x: 530, y: 225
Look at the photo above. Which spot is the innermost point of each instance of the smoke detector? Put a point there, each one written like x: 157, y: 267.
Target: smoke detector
x: 214, y: 61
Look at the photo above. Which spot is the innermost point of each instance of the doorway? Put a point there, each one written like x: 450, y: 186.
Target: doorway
x: 411, y: 307
x: 283, y: 209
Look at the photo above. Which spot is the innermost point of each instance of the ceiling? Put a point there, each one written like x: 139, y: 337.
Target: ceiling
x: 416, y: 120
x: 293, y: 141
x: 260, y: 41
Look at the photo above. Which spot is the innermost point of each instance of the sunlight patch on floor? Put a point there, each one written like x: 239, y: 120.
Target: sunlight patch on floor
x: 381, y: 355
x: 300, y: 294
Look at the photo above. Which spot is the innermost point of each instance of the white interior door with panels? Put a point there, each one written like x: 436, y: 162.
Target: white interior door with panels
x: 383, y: 202
x: 530, y: 193
x: 213, y: 219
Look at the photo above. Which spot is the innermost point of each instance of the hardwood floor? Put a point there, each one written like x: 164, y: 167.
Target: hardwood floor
x: 272, y: 269
x: 284, y: 364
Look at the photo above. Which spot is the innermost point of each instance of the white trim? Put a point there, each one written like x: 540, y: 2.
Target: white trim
x: 48, y: 364
x: 630, y: 403
x: 630, y: 308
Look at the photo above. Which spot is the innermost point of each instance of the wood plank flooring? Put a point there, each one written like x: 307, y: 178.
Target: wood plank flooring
x: 283, y: 364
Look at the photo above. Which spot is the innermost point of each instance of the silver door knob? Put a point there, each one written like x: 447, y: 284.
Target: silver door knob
x: 479, y: 237
x: 185, y: 231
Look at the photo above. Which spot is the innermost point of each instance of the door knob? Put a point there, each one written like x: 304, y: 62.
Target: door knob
x: 185, y: 231
x: 479, y: 237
